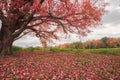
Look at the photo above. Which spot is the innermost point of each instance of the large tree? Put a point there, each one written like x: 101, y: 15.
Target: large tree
x: 46, y: 19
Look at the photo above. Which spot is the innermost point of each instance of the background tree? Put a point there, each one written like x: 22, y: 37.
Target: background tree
x: 93, y: 44
x: 76, y: 45
x: 48, y: 19
x: 65, y: 45
x: 105, y: 41
x: 118, y: 42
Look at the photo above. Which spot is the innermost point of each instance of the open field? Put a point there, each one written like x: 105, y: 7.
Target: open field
x: 52, y: 65
x: 113, y: 51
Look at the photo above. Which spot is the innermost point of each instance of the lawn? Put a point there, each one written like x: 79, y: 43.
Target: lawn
x: 53, y: 65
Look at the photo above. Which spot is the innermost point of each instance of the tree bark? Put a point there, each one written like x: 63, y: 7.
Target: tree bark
x: 6, y: 41
x: 6, y: 47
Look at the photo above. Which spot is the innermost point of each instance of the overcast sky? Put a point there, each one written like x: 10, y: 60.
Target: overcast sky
x: 110, y: 28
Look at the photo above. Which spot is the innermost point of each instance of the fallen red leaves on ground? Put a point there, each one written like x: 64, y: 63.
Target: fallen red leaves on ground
x: 40, y: 65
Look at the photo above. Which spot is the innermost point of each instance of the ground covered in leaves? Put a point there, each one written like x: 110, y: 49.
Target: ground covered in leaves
x: 42, y: 65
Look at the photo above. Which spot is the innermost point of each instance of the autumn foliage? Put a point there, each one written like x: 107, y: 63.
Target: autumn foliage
x: 46, y: 19
x: 105, y: 42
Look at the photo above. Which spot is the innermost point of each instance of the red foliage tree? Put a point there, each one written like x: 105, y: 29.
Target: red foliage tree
x: 46, y: 19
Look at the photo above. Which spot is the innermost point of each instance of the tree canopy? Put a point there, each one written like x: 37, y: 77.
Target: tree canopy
x: 47, y: 19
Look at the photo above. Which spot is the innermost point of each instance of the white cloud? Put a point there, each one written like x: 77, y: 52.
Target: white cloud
x: 27, y: 41
x: 107, y: 31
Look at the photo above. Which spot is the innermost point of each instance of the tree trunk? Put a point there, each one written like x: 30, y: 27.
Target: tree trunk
x: 6, y: 41
x: 6, y: 47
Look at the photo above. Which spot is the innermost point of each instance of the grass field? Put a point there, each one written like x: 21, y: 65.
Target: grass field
x: 113, y: 51
x: 61, y: 64
x: 99, y: 50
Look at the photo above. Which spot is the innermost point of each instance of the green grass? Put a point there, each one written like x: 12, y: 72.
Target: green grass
x: 31, y: 49
x: 113, y: 51
x: 17, y: 48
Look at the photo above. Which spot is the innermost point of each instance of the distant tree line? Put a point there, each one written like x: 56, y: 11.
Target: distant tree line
x: 105, y: 42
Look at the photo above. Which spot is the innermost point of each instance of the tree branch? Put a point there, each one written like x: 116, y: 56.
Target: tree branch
x: 41, y: 1
x: 23, y: 27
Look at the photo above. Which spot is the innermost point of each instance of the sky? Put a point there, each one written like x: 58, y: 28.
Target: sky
x: 110, y: 28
